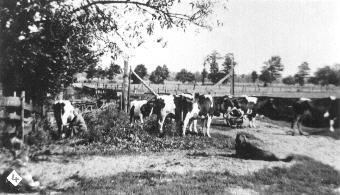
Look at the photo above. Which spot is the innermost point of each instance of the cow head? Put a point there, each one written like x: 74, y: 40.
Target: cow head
x: 63, y: 112
x: 147, y: 109
x: 227, y: 104
x: 158, y: 104
x: 331, y: 111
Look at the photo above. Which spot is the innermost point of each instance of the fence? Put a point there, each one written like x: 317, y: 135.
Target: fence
x: 10, y: 120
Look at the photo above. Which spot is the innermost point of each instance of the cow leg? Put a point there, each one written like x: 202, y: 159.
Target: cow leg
x: 141, y: 118
x: 195, y: 126
x: 203, y: 127
x: 132, y: 112
x: 161, y: 123
x: 208, y: 125
x: 253, y: 122
x: 186, y: 122
x: 294, y: 123
x: 298, y: 124
x: 191, y: 125
x: 331, y: 125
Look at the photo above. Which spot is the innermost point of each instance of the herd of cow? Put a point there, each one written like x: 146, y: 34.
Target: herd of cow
x: 186, y: 109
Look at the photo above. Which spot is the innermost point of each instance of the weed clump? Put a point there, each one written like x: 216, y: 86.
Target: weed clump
x: 110, y: 127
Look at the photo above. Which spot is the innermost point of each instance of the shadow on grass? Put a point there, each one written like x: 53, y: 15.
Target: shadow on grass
x: 306, y: 176
x: 326, y: 133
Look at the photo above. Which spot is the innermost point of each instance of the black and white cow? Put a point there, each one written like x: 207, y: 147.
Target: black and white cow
x: 248, y: 105
x: 184, y: 108
x: 202, y: 106
x: 141, y: 109
x: 317, y: 109
x: 66, y: 115
x: 223, y: 105
x: 164, y: 105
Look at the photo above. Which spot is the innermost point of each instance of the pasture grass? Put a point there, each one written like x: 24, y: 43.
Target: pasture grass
x: 306, y: 176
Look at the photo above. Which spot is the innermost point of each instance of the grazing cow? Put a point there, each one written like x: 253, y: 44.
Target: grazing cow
x: 248, y: 106
x: 323, y: 108
x: 141, y: 109
x: 65, y: 114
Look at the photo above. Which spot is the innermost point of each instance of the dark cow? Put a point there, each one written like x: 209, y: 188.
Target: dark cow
x: 276, y: 108
x: 66, y: 115
x: 323, y: 108
x: 141, y: 109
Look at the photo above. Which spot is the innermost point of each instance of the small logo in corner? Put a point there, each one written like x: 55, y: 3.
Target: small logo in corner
x: 14, y: 178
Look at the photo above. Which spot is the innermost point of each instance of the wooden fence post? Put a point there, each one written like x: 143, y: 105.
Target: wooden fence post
x: 22, y: 118
x: 128, y: 92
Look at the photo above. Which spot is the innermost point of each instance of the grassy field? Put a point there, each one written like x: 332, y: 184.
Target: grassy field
x: 307, y: 176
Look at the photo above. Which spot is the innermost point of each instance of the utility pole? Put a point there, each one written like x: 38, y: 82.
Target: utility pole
x: 232, y: 87
x: 125, y: 84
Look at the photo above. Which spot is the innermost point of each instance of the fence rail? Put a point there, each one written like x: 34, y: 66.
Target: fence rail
x: 240, y: 89
x: 9, y: 119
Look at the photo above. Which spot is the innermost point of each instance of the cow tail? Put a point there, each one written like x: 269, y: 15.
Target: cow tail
x: 132, y: 113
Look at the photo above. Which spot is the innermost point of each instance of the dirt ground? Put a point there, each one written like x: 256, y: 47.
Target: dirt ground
x: 320, y: 148
x: 58, y: 173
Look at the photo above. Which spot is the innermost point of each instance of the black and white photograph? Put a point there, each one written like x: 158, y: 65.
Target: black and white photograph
x: 183, y: 97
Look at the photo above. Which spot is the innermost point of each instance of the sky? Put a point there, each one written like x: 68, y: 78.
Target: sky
x: 296, y: 30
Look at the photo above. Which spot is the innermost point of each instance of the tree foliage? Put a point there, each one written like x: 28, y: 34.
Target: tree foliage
x: 265, y: 77
x: 289, y: 80
x: 159, y: 75
x: 227, y: 64
x: 141, y: 71
x: 44, y: 43
x: 42, y: 46
x: 302, y: 73
x: 204, y: 74
x: 211, y: 60
x: 113, y: 70
x: 326, y: 76
x: 185, y: 76
x: 272, y: 70
x: 254, y: 76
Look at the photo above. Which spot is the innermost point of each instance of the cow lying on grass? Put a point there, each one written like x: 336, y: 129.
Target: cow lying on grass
x: 141, y: 109
x: 249, y: 147
x: 66, y: 115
